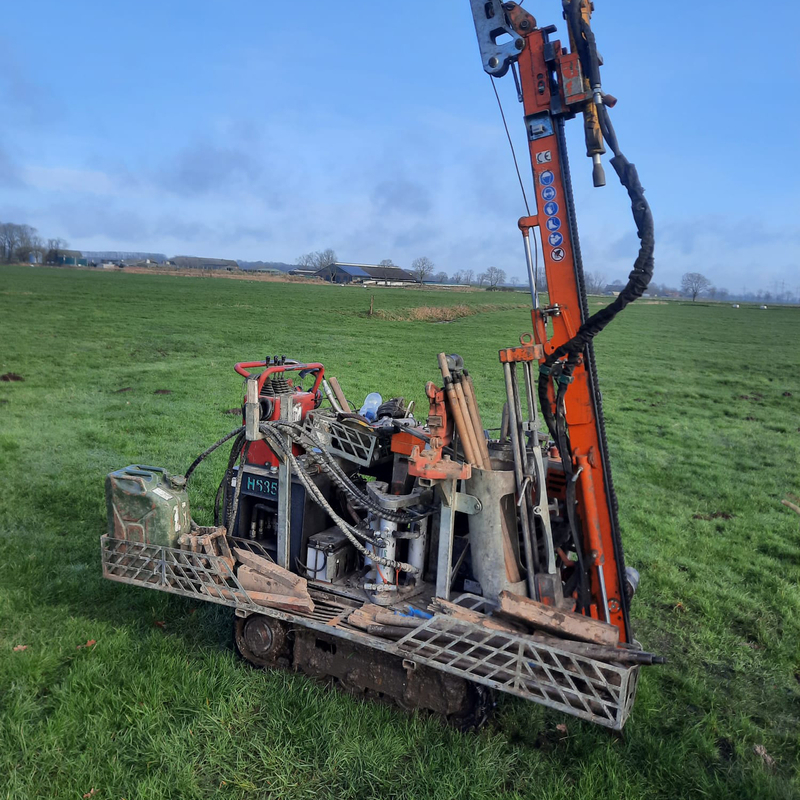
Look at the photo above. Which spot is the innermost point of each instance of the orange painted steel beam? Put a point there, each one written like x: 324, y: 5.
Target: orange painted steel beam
x: 564, y: 292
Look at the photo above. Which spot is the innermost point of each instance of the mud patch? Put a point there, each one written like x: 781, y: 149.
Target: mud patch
x: 11, y: 376
x: 439, y: 313
x: 727, y: 751
x: 232, y: 412
x: 163, y: 391
x: 714, y: 515
x: 123, y: 389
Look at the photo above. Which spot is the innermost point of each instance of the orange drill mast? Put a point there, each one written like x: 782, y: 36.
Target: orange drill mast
x: 554, y: 85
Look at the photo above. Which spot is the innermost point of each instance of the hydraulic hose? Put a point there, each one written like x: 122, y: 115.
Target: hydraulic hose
x: 642, y: 272
x: 320, y: 455
x: 352, y: 533
x: 210, y: 450
x: 224, y: 486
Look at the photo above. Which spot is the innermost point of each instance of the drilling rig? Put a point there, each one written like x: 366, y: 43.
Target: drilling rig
x: 426, y: 562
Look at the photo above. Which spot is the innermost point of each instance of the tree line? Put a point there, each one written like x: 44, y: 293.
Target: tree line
x: 22, y: 243
x: 422, y: 269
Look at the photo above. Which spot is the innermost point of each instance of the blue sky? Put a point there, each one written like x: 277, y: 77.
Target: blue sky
x: 262, y: 130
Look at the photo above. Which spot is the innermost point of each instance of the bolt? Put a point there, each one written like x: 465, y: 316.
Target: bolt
x: 519, y: 44
x: 525, y: 24
x: 493, y: 62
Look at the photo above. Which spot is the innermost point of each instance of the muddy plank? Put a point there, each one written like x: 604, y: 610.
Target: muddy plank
x: 272, y: 571
x: 553, y: 620
x: 468, y: 615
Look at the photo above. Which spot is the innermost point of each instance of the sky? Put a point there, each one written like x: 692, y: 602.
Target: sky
x: 258, y: 130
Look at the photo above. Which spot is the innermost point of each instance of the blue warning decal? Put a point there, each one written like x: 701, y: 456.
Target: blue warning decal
x: 553, y: 224
x: 548, y: 193
x: 547, y: 178
x: 555, y: 239
x: 551, y: 209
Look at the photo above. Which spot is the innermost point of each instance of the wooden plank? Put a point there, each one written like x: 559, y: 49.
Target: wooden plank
x: 301, y: 605
x: 271, y: 570
x: 284, y: 602
x: 468, y: 615
x: 253, y: 580
x: 396, y: 620
x: 337, y: 390
x: 553, y: 620
x: 360, y: 619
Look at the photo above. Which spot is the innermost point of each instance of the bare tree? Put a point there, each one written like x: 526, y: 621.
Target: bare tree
x: 422, y: 268
x: 458, y: 277
x: 441, y: 277
x: 9, y: 240
x: 694, y: 283
x: 482, y: 278
x: 514, y: 280
x: 23, y: 243
x: 387, y: 262
x: 306, y: 260
x: 468, y: 276
x: 595, y: 282
x: 495, y: 276
x: 318, y: 260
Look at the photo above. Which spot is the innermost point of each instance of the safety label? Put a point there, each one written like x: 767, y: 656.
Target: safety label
x: 547, y: 178
x: 162, y: 494
x: 558, y: 254
x: 555, y: 239
x: 553, y: 224
x: 548, y: 193
x: 551, y: 209
x: 545, y: 157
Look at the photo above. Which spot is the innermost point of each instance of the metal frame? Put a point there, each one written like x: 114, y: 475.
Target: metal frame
x: 361, y: 446
x: 583, y: 687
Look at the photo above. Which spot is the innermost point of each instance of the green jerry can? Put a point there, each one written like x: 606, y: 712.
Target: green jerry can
x: 147, y: 504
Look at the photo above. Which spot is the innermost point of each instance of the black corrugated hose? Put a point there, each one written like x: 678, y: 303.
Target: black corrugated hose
x: 210, y: 450
x: 642, y: 272
x: 638, y: 280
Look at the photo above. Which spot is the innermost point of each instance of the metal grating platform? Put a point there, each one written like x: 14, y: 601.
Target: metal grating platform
x: 584, y: 687
x: 593, y: 690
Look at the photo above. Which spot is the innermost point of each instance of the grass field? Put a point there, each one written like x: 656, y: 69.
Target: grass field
x: 703, y: 409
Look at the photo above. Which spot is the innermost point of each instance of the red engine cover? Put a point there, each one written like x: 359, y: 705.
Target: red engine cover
x: 260, y: 453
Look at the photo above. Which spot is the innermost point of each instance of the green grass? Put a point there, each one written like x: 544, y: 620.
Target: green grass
x: 703, y: 409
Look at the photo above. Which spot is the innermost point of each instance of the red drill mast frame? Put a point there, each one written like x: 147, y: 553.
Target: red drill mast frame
x: 553, y: 88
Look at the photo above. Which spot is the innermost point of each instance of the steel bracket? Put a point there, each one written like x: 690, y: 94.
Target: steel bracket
x: 467, y: 503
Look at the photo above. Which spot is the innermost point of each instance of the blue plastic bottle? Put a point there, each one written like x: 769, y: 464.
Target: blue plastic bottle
x: 370, y: 408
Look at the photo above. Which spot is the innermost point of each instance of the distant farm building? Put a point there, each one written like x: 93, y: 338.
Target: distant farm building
x: 193, y: 262
x: 365, y: 274
x: 67, y: 258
